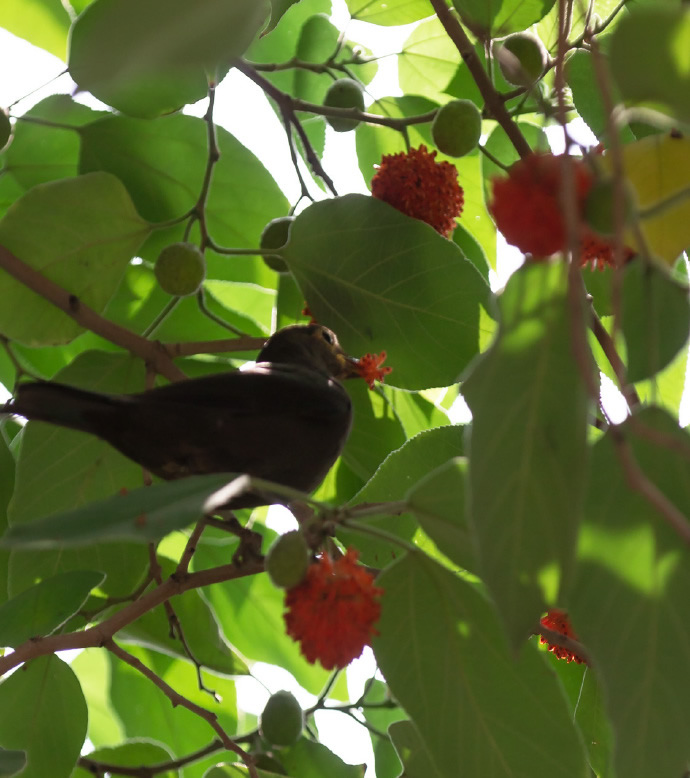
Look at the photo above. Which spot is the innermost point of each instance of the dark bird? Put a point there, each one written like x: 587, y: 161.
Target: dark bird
x: 284, y: 419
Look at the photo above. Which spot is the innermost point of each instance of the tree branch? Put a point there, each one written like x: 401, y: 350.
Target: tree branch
x: 150, y: 351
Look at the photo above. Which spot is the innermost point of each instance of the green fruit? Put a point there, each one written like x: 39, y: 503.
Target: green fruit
x: 457, y: 127
x: 521, y: 58
x: 287, y: 560
x: 5, y: 129
x: 282, y: 720
x: 344, y: 93
x: 599, y: 207
x: 275, y: 236
x: 180, y: 269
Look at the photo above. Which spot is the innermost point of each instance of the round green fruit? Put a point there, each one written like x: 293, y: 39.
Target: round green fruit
x: 599, y: 207
x: 456, y: 128
x: 275, y: 236
x: 521, y: 58
x: 287, y: 560
x: 5, y: 129
x: 344, y: 93
x: 180, y: 269
x: 282, y: 720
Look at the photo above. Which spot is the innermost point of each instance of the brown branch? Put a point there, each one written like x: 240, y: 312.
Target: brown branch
x: 97, y: 635
x: 86, y: 317
x: 492, y: 99
x: 97, y: 767
x: 178, y: 699
x: 638, y: 482
x: 609, y: 348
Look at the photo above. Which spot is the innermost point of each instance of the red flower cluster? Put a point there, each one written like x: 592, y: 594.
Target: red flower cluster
x: 527, y: 209
x: 370, y: 368
x: 558, y: 621
x: 420, y: 187
x: 333, y: 611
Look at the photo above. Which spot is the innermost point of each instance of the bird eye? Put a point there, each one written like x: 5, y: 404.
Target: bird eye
x: 326, y: 335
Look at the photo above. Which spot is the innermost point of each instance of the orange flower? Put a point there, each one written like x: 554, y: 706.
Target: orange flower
x: 370, y: 368
x: 333, y: 611
x: 597, y: 251
x: 558, y: 621
x: 526, y: 205
x: 420, y: 187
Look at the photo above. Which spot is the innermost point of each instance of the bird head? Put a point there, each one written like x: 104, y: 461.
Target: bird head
x: 312, y: 346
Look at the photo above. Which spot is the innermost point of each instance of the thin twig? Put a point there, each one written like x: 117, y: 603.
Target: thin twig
x: 628, y: 391
x: 178, y: 699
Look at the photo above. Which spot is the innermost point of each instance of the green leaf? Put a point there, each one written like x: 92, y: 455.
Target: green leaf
x: 92, y: 668
x: 236, y: 770
x: 206, y: 644
x: 162, y: 164
x: 427, y: 318
x: 414, y: 411
x: 318, y: 42
x: 42, y: 152
x: 80, y: 233
x: 656, y: 318
x: 7, y: 472
x: 386, y: 759
x: 412, y: 751
x: 629, y: 601
x: 388, y: 14
x: 478, y: 711
x: 313, y: 760
x: 135, y: 754
x: 278, y: 10
x: 140, y: 516
x: 664, y: 81
x: 11, y: 762
x: 587, y: 96
x: 528, y: 448
x: 150, y: 57
x: 428, y: 61
x: 438, y: 502
x: 45, y: 23
x: 501, y: 18
x: 376, y: 431
x: 43, y: 608
x: 43, y: 712
x: 400, y: 471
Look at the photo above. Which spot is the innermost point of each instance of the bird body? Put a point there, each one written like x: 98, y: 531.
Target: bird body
x: 284, y: 419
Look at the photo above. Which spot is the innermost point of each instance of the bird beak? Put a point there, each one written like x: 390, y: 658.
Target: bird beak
x: 349, y: 367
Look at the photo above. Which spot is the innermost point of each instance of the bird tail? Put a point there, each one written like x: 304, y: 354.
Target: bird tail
x: 59, y: 404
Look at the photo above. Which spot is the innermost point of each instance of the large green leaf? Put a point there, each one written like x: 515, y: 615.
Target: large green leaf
x: 7, y: 472
x: 385, y: 13
x: 479, y: 712
x: 314, y: 760
x: 92, y: 668
x: 409, y: 291
x: 141, y: 516
x: 412, y: 751
x: 42, y: 711
x: 135, y: 754
x: 48, y: 149
x: 664, y: 80
x: 150, y: 57
x: 398, y: 473
x: 501, y: 18
x: 80, y: 233
x: 162, y: 164
x: 438, y: 502
x: 428, y: 61
x: 40, y: 610
x: 656, y: 318
x: 45, y: 23
x: 629, y: 601
x: 528, y: 448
